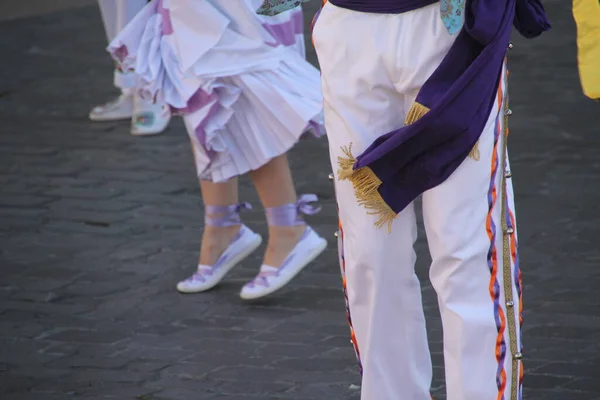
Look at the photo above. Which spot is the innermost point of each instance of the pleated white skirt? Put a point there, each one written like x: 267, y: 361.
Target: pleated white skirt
x: 239, y: 79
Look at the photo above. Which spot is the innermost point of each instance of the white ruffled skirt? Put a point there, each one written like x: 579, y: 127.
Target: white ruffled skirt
x: 239, y: 79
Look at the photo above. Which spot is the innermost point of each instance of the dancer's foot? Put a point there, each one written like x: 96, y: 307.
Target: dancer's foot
x: 120, y: 108
x: 271, y: 279
x: 149, y: 118
x: 215, y: 240
x: 282, y: 241
x: 225, y: 243
x: 292, y: 246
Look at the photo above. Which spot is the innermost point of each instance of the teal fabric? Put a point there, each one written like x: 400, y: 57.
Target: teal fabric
x: 453, y: 11
x: 453, y: 14
x: 274, y: 7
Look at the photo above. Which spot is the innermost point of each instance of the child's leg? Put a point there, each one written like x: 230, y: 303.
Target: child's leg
x: 226, y: 241
x: 116, y: 14
x: 216, y: 238
x: 292, y: 244
x: 147, y: 118
x: 275, y: 187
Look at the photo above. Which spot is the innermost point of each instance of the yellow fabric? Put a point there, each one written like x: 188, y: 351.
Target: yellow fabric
x: 587, y: 18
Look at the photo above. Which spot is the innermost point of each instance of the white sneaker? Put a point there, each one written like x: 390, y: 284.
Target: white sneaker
x: 271, y: 279
x: 149, y: 118
x: 115, y: 110
x: 209, y: 276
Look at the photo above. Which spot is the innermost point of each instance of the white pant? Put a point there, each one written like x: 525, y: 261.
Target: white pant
x: 116, y: 14
x: 373, y: 66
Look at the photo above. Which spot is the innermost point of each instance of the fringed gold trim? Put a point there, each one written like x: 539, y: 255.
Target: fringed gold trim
x: 474, y: 154
x: 365, y: 184
x: 416, y: 112
x: 346, y: 164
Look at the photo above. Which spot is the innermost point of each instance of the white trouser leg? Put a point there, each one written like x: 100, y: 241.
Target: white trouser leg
x: 116, y: 14
x: 372, y: 67
x: 474, y: 259
x: 365, y: 98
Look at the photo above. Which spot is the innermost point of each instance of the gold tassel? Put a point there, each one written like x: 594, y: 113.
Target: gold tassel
x: 365, y: 184
x: 416, y: 112
x: 346, y: 164
x: 474, y: 154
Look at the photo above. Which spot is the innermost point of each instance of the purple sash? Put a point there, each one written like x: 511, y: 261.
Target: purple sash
x: 383, y: 6
x: 449, y: 114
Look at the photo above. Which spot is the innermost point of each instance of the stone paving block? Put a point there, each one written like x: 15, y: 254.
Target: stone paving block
x: 87, y: 227
x: 96, y: 194
x: 164, y: 383
x: 313, y: 364
x: 87, y: 336
x: 539, y: 381
x: 250, y: 388
x: 557, y: 395
x: 575, y: 367
x: 177, y: 394
x: 23, y: 201
x: 586, y: 384
x: 117, y: 206
x: 24, y: 352
x: 36, y: 396
x: 74, y: 362
x: 324, y: 391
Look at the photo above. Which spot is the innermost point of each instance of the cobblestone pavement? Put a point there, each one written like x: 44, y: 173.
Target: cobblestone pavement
x: 97, y: 226
x: 14, y: 9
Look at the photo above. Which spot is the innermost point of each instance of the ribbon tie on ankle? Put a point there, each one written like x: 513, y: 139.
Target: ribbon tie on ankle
x: 291, y: 214
x: 243, y: 207
x: 304, y: 207
x: 223, y: 216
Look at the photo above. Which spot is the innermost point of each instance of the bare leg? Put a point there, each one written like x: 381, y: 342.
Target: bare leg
x: 216, y: 239
x: 275, y: 187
